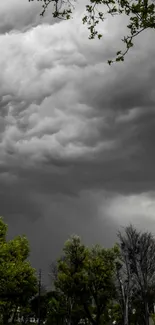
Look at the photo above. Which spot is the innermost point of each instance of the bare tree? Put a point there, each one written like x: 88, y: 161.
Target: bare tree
x: 124, y: 279
x: 138, y: 249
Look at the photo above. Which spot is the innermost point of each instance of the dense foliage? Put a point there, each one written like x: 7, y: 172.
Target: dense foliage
x: 92, y: 286
x: 18, y: 282
x: 102, y: 286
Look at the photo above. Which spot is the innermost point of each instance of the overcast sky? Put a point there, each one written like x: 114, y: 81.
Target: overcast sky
x: 77, y: 148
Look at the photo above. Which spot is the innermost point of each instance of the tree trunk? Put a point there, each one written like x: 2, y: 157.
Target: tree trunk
x: 98, y: 319
x: 146, y: 313
x: 5, y: 319
x: 126, y: 316
x: 89, y: 315
x: 14, y: 316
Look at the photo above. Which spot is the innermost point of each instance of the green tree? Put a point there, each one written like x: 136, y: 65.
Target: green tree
x: 115, y: 313
x: 141, y: 14
x: 86, y: 277
x: 63, y: 310
x: 59, y: 309
x: 18, y: 282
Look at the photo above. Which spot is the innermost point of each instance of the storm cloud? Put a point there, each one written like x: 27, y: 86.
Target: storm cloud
x: 76, y: 136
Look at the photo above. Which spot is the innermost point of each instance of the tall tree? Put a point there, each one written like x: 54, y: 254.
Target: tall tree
x: 124, y: 279
x: 140, y: 252
x: 141, y: 14
x: 18, y: 282
x: 86, y: 276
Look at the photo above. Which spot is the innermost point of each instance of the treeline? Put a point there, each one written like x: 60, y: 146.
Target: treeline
x: 92, y: 286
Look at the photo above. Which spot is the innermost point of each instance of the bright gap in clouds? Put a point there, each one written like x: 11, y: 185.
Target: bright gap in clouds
x: 136, y: 209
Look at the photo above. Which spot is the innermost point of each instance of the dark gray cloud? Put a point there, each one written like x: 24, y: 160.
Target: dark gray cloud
x: 76, y: 136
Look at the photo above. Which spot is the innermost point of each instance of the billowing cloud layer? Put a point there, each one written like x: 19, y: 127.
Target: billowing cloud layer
x: 71, y: 118
x: 21, y: 15
x: 76, y: 136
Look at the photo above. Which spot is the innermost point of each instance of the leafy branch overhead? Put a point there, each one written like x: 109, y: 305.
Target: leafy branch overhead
x: 141, y: 16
